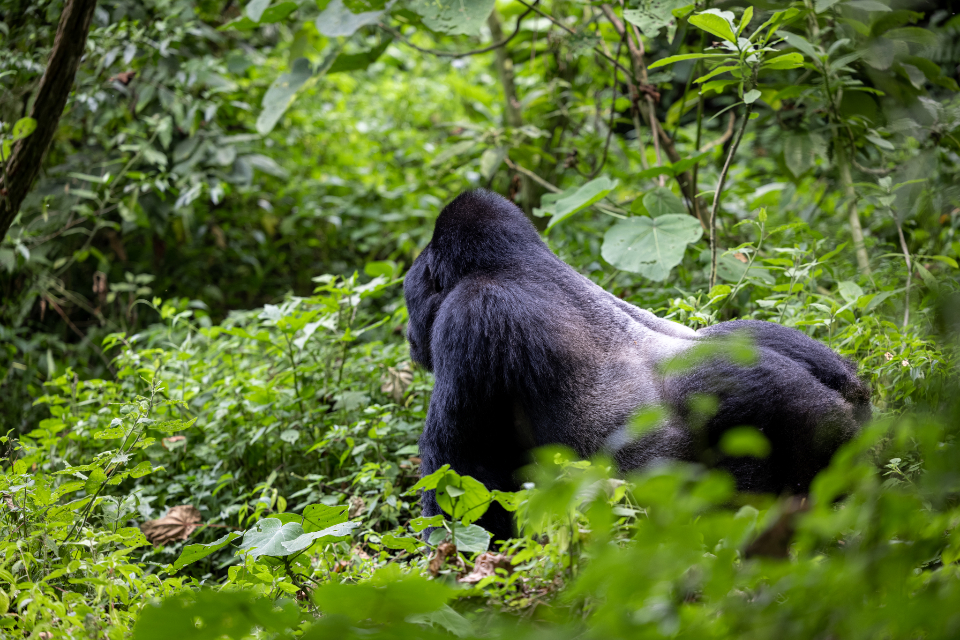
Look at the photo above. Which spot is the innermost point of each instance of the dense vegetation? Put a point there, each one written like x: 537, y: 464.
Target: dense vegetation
x: 209, y: 412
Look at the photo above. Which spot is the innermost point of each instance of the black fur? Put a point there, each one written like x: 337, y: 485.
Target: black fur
x: 527, y: 352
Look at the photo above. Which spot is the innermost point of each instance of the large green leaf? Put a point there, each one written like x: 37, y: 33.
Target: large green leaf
x: 281, y: 94
x: 650, y: 246
x: 255, y: 9
x: 337, y: 20
x: 661, y: 201
x: 330, y: 534
x: 463, y: 497
x: 718, y: 23
x: 573, y: 200
x: 359, y: 61
x: 471, y: 539
x: 453, y: 16
x: 321, y: 516
x: 193, y: 552
x: 266, y: 538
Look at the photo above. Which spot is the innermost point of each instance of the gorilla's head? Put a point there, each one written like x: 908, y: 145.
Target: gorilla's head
x: 480, y: 232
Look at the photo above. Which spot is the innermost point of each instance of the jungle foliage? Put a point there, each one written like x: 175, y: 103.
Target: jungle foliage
x: 209, y: 412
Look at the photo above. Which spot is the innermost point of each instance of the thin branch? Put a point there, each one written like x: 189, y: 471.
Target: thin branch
x: 458, y: 54
x: 722, y: 140
x: 906, y: 257
x: 530, y: 174
x: 716, y: 195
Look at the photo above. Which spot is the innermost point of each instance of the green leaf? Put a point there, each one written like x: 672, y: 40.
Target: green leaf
x: 849, y: 291
x: 193, y: 552
x: 388, y: 596
x: 717, y: 71
x: 67, y: 487
x: 463, y: 497
x: 581, y: 198
x: 453, y: 17
x: 650, y: 246
x: 278, y: 12
x: 321, y: 516
x: 255, y: 9
x: 745, y: 441
x: 799, y: 42
x: 661, y: 201
x: 491, y: 160
x: 928, y: 278
x: 745, y: 19
x: 820, y: 6
x: 22, y: 128
x: 732, y: 270
x: 404, y: 543
x: 96, y: 478
x: 429, y: 482
x: 507, y: 499
x: 421, y: 523
x: 281, y: 93
x: 472, y: 539
x: 337, y: 20
x: 337, y: 532
x: 687, y: 56
x: 359, y: 61
x: 798, y: 153
x: 867, y: 5
x: 266, y: 538
x: 786, y: 61
x: 172, y: 426
x: 718, y: 23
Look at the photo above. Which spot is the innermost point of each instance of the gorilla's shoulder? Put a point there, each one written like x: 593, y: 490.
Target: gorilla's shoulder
x: 488, y: 328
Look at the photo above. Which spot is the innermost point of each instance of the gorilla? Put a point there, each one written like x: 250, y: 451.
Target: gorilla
x: 527, y: 352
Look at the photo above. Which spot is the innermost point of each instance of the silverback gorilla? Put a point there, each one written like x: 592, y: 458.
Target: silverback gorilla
x: 527, y: 352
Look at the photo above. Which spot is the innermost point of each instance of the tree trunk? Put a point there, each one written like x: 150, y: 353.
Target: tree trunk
x: 856, y: 231
x: 24, y: 164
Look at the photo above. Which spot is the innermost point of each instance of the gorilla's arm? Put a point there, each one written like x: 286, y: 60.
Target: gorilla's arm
x: 488, y: 354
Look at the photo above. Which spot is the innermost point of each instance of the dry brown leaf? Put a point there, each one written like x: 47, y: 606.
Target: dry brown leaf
x: 487, y: 564
x: 444, y: 550
x: 396, y: 381
x: 178, y: 524
x: 124, y: 77
x: 356, y: 506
